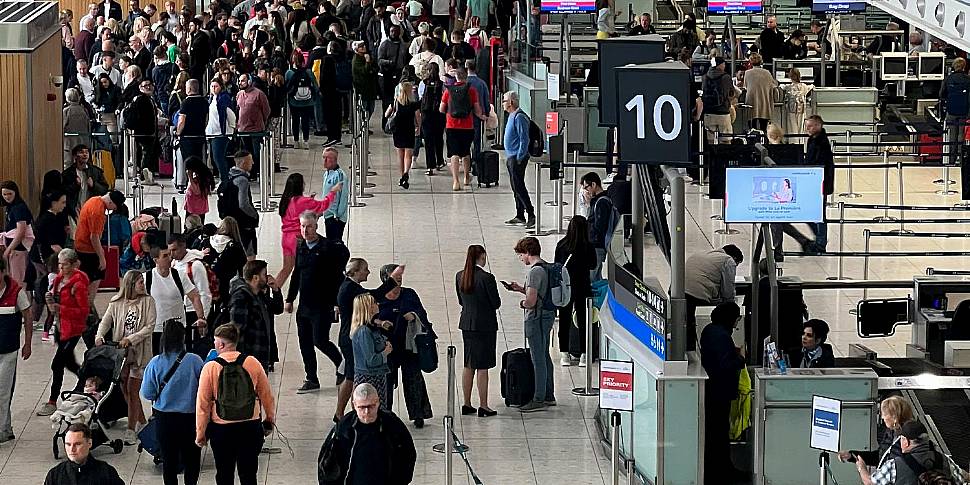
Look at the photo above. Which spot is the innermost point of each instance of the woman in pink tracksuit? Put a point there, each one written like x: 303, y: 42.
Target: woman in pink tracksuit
x: 292, y: 204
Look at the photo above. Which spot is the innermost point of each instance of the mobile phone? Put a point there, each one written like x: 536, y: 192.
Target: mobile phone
x: 506, y: 284
x: 851, y: 458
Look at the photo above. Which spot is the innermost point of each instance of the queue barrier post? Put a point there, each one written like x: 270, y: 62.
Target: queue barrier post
x: 449, y: 419
x: 902, y: 210
x: 270, y: 140
x: 354, y: 155
x: 849, y: 193
x: 615, y: 448
x: 362, y: 149
x: 945, y: 180
x: 576, y: 184
x: 588, y: 388
x: 537, y: 230
x: 719, y: 216
x: 865, y: 264
x: 265, y: 172
x: 841, y: 275
x: 700, y: 151
x: 885, y: 217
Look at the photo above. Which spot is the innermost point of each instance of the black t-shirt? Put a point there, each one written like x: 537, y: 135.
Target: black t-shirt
x: 195, y: 109
x: 16, y: 213
x: 49, y: 231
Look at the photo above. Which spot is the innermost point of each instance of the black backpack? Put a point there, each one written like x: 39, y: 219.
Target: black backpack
x: 228, y: 201
x: 537, y: 141
x: 432, y: 97
x: 459, y: 101
x: 926, y: 476
x: 301, y: 89
x: 713, y: 96
x: 236, y: 398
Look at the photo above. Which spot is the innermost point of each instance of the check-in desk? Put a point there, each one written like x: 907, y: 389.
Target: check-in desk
x: 781, y: 422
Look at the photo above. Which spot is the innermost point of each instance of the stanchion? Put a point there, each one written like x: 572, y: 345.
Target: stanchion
x: 284, y: 124
x: 576, y: 184
x: 127, y: 161
x: 362, y: 149
x: 849, y: 193
x: 537, y: 230
x: 449, y: 419
x: 902, y: 212
x: 501, y: 122
x: 265, y: 168
x: 885, y: 217
x: 726, y: 230
x: 272, y: 165
x: 718, y: 217
x: 631, y: 471
x: 588, y: 389
x: 841, y: 275
x: 354, y: 159
x: 700, y: 153
x: 823, y: 465
x: 865, y: 263
x: 365, y: 153
x: 945, y: 180
x: 615, y: 448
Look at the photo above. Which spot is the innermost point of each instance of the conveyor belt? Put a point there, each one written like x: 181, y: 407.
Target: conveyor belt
x: 950, y: 410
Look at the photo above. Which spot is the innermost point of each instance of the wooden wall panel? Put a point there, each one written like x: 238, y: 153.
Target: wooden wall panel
x: 13, y: 130
x: 45, y: 118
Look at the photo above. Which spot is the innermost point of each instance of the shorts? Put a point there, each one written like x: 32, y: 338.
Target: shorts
x: 89, y: 265
x: 348, y: 352
x: 459, y: 142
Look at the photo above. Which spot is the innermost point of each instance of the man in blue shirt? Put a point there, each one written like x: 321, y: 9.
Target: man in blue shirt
x: 481, y: 87
x: 517, y: 159
x: 335, y: 217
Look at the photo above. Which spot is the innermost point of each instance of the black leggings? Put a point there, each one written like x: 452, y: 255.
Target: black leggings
x: 63, y: 359
x: 301, y: 117
x: 572, y: 338
x: 313, y: 333
x: 176, y: 436
x: 433, y: 134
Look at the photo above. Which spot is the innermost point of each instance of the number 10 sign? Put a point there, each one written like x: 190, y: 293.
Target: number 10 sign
x: 653, y: 113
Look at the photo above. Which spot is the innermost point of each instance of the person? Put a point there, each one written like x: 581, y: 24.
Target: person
x: 82, y: 180
x: 407, y: 126
x: 479, y: 300
x: 129, y: 318
x: 606, y: 19
x: 377, y: 434
x: 68, y: 301
x: 575, y: 251
x: 814, y: 352
x: 174, y: 408
x: 169, y: 288
x: 538, y: 322
x: 918, y: 456
x: 235, y: 431
x: 220, y: 125
x: 356, y: 273
x: 317, y: 279
x: 17, y: 231
x: 818, y: 152
x: 894, y: 412
x: 915, y: 44
x: 708, y: 49
x: 336, y: 85
x: 254, y: 112
x: 192, y: 121
x: 795, y: 47
x: 80, y: 466
x: 50, y: 230
x: 15, y: 312
x: 430, y: 91
x: 403, y: 308
x: 141, y: 118
x: 686, y: 37
x: 718, y: 93
x: 201, y: 185
x: 516, y: 140
x: 886, y: 42
x: 190, y: 264
x: 953, y: 97
x: 335, y: 216
x: 821, y: 46
x: 245, y: 212
x: 292, y: 204
x: 795, y: 102
x: 371, y: 347
x: 77, y: 118
x: 391, y: 59
x: 461, y: 105
x: 709, y: 281
x: 200, y: 49
x: 302, y: 94
x: 226, y: 255
x: 723, y: 363
x: 645, y: 26
x: 254, y: 299
x: 87, y: 237
x: 364, y: 71
x: 771, y: 40
x: 759, y: 86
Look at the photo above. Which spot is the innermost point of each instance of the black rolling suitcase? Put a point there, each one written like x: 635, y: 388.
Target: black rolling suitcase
x: 486, y: 165
x: 518, y: 377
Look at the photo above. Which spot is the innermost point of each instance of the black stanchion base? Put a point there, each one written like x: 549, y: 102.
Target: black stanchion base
x: 727, y: 231
x: 358, y: 204
x: 837, y: 278
x: 552, y: 203
x: 582, y: 391
x: 440, y: 448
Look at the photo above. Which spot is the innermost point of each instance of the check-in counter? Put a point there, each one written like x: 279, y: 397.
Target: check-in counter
x: 781, y: 423
x: 532, y: 93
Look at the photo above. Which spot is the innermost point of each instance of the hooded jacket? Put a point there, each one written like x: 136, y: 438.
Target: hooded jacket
x: 72, y: 295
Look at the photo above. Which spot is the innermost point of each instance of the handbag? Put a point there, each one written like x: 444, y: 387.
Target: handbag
x: 391, y: 122
x: 427, y: 352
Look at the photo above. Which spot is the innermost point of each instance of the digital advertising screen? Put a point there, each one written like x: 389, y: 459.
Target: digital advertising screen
x: 837, y: 7
x: 567, y: 6
x: 774, y: 194
x: 733, y: 6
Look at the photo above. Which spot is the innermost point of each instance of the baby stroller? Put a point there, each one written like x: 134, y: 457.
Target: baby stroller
x: 105, y: 363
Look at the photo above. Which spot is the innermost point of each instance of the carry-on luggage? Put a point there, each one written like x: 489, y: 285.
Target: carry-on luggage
x: 486, y: 165
x: 170, y: 222
x: 518, y: 377
x: 112, y: 269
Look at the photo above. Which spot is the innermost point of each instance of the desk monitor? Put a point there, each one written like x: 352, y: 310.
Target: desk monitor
x: 567, y: 6
x: 894, y: 66
x: 787, y: 153
x: 807, y: 72
x: 733, y: 6
x: 773, y: 194
x: 930, y: 66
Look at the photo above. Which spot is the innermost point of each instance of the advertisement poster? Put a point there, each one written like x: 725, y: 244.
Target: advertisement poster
x: 776, y: 194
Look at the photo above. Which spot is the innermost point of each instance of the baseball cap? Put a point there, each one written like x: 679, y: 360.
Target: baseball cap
x: 913, y: 430
x: 117, y: 198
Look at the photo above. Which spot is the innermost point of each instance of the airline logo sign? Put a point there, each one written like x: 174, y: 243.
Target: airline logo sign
x: 616, y: 385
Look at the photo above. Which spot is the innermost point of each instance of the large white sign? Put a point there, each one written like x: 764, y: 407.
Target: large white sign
x: 826, y: 423
x: 616, y: 385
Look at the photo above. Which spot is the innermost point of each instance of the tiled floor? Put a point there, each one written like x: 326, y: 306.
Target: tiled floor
x: 428, y: 228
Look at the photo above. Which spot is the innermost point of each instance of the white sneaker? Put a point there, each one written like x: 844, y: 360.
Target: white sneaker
x: 582, y: 360
x: 565, y: 360
x: 130, y: 437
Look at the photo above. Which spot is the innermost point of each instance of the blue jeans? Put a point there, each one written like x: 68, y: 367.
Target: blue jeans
x: 219, y: 145
x: 597, y: 273
x: 821, y: 231
x: 538, y: 332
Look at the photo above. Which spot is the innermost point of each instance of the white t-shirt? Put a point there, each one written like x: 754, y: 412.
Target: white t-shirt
x: 168, y: 300
x: 200, y: 279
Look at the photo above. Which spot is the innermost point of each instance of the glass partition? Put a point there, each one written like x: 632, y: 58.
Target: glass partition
x: 643, y: 420
x: 525, y: 38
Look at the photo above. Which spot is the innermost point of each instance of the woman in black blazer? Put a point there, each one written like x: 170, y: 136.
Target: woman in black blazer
x: 478, y: 297
x: 577, y: 248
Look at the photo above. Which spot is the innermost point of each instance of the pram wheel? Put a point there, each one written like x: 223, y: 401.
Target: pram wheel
x: 117, y: 446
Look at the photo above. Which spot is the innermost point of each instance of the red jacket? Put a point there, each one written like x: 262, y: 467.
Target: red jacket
x: 73, y: 297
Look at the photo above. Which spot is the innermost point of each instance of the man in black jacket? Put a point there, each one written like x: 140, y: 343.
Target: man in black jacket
x: 723, y: 363
x: 318, y: 275
x: 254, y: 300
x: 602, y: 218
x: 81, y: 468
x: 82, y: 180
x: 368, y: 446
x: 200, y: 52
x: 356, y: 273
x: 142, y: 118
x: 771, y: 40
x: 113, y: 10
x: 818, y: 152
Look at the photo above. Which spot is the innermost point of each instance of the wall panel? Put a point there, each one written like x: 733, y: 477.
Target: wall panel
x: 13, y: 130
x: 45, y: 116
